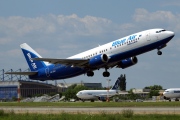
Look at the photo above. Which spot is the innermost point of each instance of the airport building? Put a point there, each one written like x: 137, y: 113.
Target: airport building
x: 16, y: 86
x: 9, y: 89
x: 141, y: 92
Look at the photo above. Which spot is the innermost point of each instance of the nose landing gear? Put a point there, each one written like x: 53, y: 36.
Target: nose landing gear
x: 159, y: 52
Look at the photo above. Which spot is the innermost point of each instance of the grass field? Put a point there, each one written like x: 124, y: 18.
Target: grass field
x: 126, y: 115
x: 123, y: 115
x: 92, y: 104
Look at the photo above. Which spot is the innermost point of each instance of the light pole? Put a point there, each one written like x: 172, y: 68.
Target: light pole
x: 107, y: 99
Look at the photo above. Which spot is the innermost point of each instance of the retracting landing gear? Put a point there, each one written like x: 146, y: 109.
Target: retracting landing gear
x: 90, y: 73
x: 159, y: 52
x: 106, y: 73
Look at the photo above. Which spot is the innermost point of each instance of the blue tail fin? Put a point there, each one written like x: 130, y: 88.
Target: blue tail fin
x: 116, y: 85
x: 29, y: 53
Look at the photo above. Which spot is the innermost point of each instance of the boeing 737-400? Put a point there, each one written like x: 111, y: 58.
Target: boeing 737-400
x: 98, y: 94
x: 120, y: 53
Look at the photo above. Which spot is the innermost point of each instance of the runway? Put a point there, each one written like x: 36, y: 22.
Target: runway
x: 94, y: 110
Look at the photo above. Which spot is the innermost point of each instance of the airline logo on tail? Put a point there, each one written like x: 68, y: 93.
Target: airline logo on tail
x: 32, y: 63
x: 116, y: 85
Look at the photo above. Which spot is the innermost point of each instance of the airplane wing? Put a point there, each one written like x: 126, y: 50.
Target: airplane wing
x: 22, y: 73
x: 71, y: 62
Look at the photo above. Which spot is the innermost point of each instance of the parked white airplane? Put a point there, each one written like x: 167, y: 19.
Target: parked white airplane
x: 99, y: 94
x: 120, y: 53
x: 171, y: 94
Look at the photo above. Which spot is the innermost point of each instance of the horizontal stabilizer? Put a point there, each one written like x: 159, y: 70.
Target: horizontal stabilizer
x: 22, y: 73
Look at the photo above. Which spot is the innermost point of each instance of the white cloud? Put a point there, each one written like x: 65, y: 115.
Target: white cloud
x: 163, y: 19
x: 17, y: 27
x: 142, y: 15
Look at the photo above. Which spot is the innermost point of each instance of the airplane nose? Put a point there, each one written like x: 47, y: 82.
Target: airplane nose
x: 172, y: 34
x: 78, y: 95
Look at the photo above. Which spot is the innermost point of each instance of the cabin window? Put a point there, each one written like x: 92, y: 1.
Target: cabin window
x: 176, y: 91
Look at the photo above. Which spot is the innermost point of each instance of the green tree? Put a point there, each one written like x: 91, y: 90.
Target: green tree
x: 155, y: 87
x: 133, y: 96
x: 154, y: 90
x: 153, y: 93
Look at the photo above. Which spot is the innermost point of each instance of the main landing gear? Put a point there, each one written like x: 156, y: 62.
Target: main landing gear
x: 159, y: 52
x: 91, y: 73
x: 106, y: 73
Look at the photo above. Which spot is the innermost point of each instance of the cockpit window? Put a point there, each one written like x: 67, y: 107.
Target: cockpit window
x: 160, y: 31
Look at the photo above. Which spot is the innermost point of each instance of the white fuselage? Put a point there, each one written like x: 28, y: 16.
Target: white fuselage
x: 125, y: 44
x: 94, y: 94
x: 172, y: 93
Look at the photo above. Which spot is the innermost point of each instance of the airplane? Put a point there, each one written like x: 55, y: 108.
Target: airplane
x: 172, y: 93
x: 99, y: 94
x: 120, y: 53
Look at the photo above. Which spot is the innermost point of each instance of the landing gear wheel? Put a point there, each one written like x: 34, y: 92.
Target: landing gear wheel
x: 159, y: 52
x: 106, y: 74
x: 90, y: 73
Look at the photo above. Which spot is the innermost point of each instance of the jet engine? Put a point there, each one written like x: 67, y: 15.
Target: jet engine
x: 128, y: 62
x: 101, y: 98
x: 98, y: 60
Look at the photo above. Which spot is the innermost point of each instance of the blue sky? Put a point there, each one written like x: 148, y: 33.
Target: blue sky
x: 59, y: 29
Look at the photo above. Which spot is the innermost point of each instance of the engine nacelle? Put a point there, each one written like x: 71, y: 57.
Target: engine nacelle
x: 98, y: 60
x: 101, y: 98
x: 128, y: 62
x: 166, y: 98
